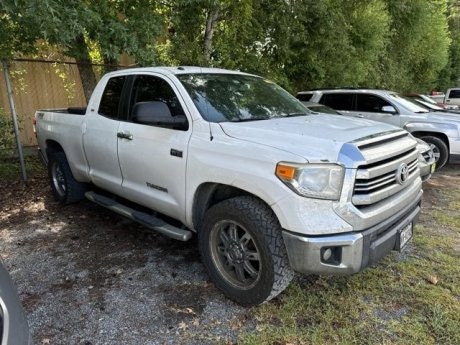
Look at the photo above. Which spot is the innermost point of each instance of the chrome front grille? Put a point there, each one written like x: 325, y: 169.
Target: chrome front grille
x: 381, y: 178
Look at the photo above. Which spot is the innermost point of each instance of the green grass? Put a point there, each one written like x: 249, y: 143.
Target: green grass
x: 409, y: 298
x: 10, y: 169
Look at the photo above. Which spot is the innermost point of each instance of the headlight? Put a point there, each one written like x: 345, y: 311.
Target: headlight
x: 321, y: 181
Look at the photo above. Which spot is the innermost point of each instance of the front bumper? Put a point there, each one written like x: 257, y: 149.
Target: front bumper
x: 350, y: 252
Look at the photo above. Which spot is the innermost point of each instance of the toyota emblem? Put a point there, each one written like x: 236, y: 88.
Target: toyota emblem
x: 402, y: 174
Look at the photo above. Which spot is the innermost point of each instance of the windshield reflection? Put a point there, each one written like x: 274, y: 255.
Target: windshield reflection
x: 234, y: 97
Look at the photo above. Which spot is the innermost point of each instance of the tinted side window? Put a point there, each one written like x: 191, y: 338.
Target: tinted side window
x: 149, y: 88
x: 111, y: 97
x: 338, y: 101
x: 304, y: 97
x: 370, y: 103
x: 454, y: 94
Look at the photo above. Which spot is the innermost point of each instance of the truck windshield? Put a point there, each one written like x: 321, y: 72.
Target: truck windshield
x: 234, y: 97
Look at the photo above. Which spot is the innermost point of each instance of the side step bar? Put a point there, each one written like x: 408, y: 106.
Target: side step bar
x: 145, y: 219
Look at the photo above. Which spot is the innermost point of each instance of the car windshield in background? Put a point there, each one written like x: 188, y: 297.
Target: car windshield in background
x: 409, y: 104
x: 234, y: 97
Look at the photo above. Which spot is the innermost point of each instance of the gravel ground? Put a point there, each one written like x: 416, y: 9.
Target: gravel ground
x: 88, y: 276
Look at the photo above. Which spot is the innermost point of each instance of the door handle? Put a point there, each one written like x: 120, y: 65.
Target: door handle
x: 175, y: 153
x: 122, y: 135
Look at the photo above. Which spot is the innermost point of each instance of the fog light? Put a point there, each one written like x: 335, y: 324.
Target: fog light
x: 331, y: 255
x: 327, y: 254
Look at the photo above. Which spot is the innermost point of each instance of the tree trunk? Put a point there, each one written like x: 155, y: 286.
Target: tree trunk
x: 212, y: 18
x: 83, y: 59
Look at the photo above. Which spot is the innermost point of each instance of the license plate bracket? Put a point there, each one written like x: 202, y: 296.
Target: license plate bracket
x: 404, y: 236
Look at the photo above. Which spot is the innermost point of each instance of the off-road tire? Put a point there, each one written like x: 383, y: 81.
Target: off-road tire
x: 439, y: 148
x: 259, y: 221
x: 67, y: 190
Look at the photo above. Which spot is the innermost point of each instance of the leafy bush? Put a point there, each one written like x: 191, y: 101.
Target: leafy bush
x: 7, y: 144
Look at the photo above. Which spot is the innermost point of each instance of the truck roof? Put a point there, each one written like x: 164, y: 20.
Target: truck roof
x: 176, y: 70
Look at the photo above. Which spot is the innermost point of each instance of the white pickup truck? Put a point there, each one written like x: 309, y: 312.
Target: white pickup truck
x: 268, y: 187
x: 452, y: 97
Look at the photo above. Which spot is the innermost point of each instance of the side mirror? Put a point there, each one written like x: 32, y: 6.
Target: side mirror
x: 389, y: 109
x: 158, y: 114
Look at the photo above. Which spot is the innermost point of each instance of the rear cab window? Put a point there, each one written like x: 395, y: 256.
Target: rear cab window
x: 454, y: 94
x: 111, y: 98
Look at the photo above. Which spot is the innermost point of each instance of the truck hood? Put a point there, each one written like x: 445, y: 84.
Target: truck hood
x: 313, y: 137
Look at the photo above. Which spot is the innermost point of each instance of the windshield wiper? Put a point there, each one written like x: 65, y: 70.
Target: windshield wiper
x: 249, y: 119
x: 296, y: 114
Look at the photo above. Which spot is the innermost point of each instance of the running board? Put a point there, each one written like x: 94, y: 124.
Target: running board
x: 145, y: 219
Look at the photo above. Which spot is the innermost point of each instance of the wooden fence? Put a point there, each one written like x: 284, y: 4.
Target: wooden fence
x: 40, y: 85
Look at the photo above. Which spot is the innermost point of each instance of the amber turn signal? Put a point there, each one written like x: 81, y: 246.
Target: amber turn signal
x: 285, y: 172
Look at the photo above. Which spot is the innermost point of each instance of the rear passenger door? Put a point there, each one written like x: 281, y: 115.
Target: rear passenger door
x: 153, y: 157
x: 372, y: 107
x: 342, y: 102
x: 100, y: 136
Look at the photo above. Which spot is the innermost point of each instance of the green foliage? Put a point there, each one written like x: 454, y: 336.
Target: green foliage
x: 16, y: 35
x: 10, y: 168
x: 7, y: 141
x: 450, y: 75
x: 306, y: 44
x: 419, y: 44
x: 407, y: 45
x: 339, y: 44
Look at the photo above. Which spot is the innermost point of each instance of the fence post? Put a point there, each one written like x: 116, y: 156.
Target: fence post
x: 15, y: 118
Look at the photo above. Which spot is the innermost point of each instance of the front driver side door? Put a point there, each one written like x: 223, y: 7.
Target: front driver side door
x: 153, y: 159
x: 370, y: 107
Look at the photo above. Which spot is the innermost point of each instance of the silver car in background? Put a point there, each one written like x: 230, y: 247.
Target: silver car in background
x: 426, y: 158
x: 441, y: 130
